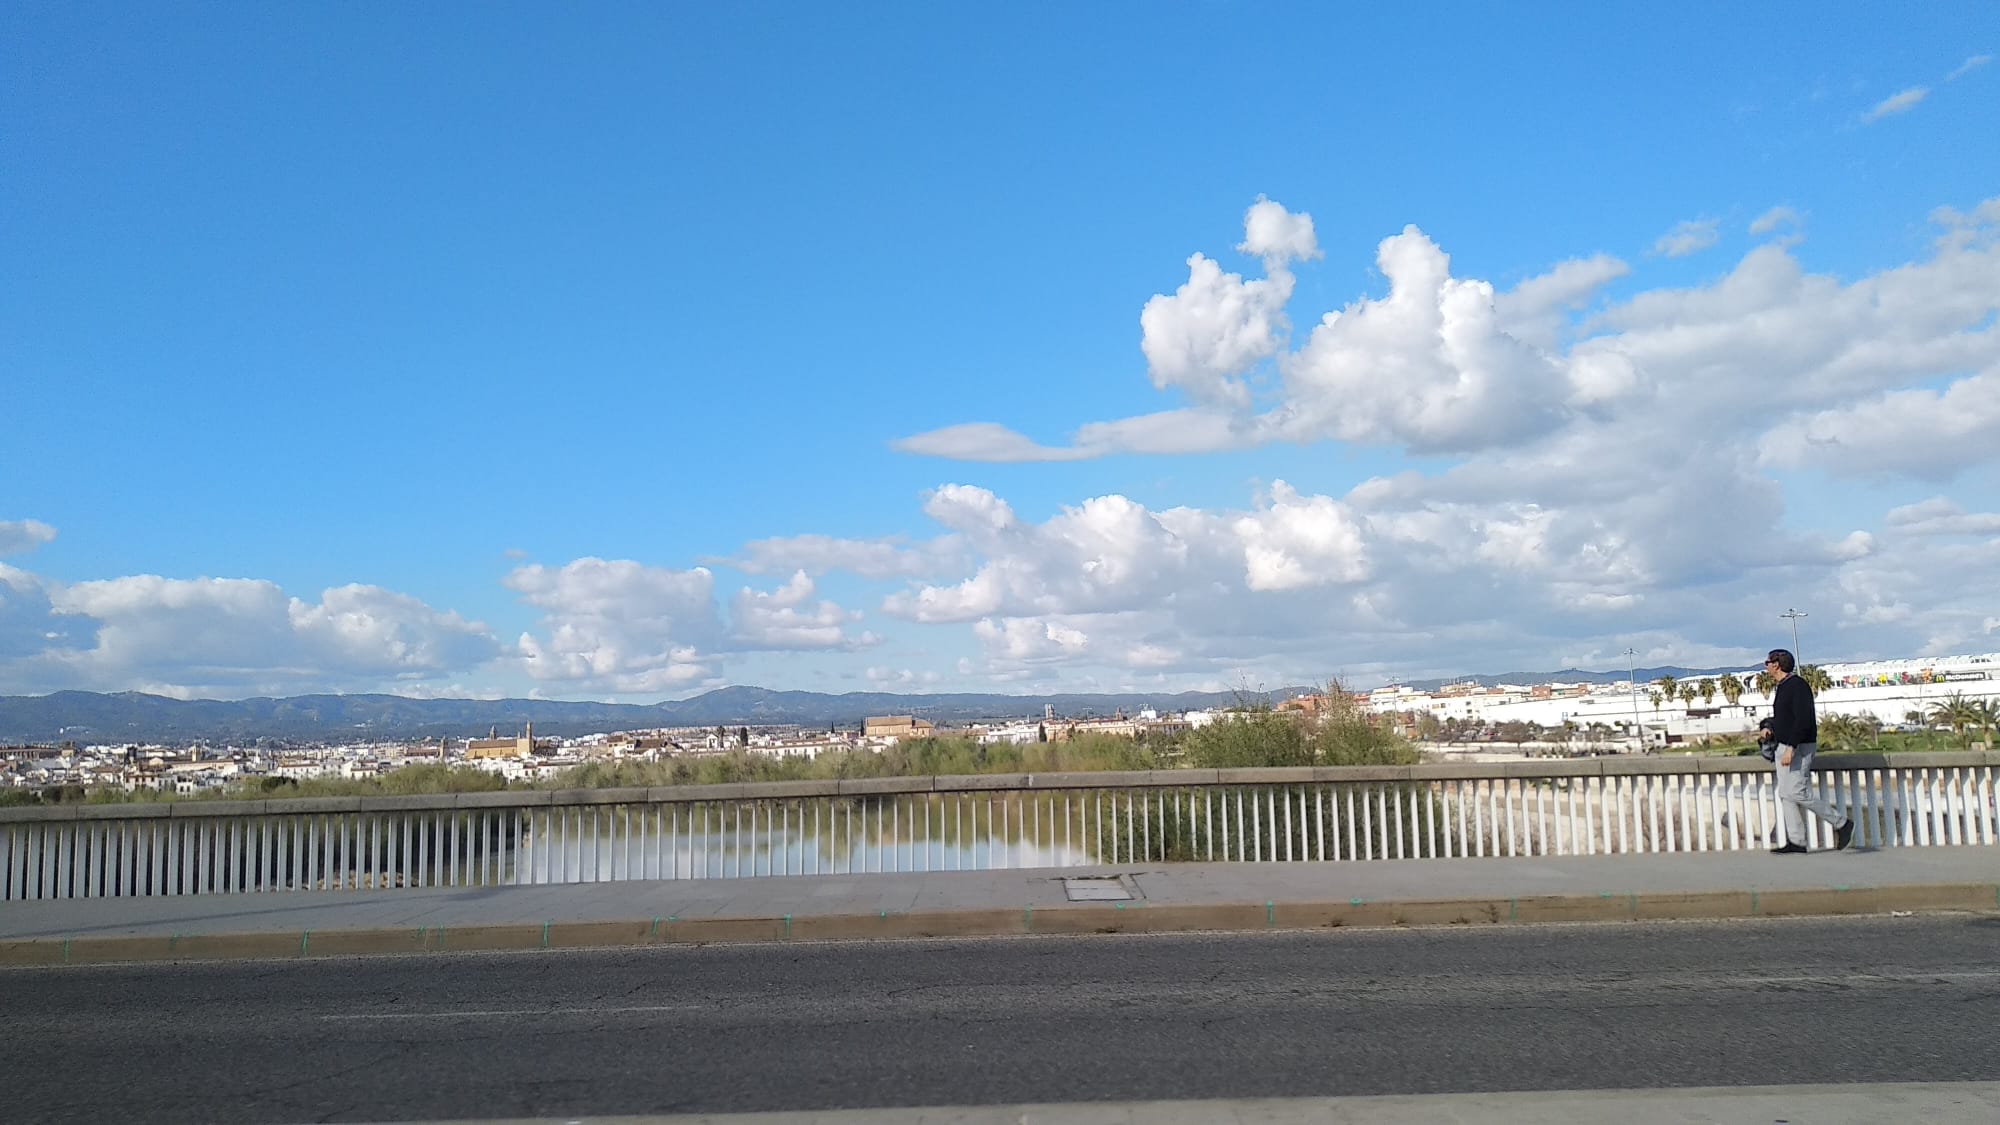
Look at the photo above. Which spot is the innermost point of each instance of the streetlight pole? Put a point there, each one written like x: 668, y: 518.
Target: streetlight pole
x: 1632, y: 681
x: 1794, y: 616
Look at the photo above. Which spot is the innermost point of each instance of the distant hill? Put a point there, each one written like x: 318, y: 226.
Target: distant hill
x: 87, y: 717
x: 1570, y: 676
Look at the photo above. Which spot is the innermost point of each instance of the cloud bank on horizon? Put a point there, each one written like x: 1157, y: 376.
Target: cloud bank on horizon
x: 1603, y: 464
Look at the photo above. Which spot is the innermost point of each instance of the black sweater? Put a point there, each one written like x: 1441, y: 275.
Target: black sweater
x: 1792, y: 715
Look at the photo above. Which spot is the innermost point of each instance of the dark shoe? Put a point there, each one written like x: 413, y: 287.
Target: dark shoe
x: 1843, y: 835
x: 1789, y: 849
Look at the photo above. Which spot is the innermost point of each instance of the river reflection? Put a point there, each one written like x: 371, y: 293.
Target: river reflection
x: 812, y: 838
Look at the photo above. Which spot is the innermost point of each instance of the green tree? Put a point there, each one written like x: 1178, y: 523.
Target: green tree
x: 1957, y: 712
x: 1707, y: 689
x: 1838, y: 733
x: 1656, y: 698
x: 1986, y: 716
x: 1732, y: 689
x: 1246, y: 739
x: 1815, y: 677
x: 1669, y: 687
x: 1339, y: 734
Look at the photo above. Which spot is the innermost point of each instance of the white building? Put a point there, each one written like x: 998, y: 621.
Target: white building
x: 1886, y: 690
x: 1018, y: 734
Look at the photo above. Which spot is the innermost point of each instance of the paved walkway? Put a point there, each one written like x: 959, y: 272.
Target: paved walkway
x: 1144, y: 897
x: 1939, y: 1103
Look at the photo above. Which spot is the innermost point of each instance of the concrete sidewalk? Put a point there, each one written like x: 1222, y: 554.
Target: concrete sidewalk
x: 1159, y: 897
x: 1939, y: 1103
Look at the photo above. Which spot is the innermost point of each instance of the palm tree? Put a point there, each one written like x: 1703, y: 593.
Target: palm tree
x: 1957, y: 712
x: 1815, y: 678
x: 1668, y: 686
x: 1845, y: 732
x: 1707, y: 689
x: 1732, y: 690
x: 1986, y: 714
x: 1836, y: 733
x: 1655, y: 697
x: 1766, y: 682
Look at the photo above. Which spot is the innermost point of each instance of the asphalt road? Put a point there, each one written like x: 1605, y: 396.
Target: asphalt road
x: 1005, y: 1020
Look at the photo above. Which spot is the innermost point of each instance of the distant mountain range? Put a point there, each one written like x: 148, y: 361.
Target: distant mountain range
x: 94, y: 717
x: 88, y: 717
x: 1571, y: 676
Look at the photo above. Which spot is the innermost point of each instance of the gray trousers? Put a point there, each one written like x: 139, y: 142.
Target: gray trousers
x: 1796, y: 798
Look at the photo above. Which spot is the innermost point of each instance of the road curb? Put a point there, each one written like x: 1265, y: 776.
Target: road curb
x: 1076, y: 918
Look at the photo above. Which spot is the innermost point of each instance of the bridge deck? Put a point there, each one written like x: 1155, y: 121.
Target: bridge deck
x: 1233, y: 896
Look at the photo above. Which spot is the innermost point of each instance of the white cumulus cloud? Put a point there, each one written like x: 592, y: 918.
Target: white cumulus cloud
x: 877, y: 559
x: 1688, y: 237
x: 983, y: 441
x: 1429, y: 367
x: 1967, y: 67
x: 237, y: 636
x: 1533, y: 310
x: 1212, y: 330
x: 1941, y: 516
x: 1930, y: 435
x: 1779, y: 216
x: 789, y: 619
x: 619, y: 625
x: 21, y: 536
x: 1901, y: 102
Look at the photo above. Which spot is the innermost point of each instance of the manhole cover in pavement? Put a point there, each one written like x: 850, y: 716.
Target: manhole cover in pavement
x: 1096, y: 890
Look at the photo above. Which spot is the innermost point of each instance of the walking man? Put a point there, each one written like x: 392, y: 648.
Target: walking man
x: 1796, y: 728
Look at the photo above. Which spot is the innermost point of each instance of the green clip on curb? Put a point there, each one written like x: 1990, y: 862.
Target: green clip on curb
x: 545, y: 935
x: 1270, y: 909
x: 788, y: 927
x: 305, y: 941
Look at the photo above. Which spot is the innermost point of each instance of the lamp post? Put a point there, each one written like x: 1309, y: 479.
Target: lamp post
x: 1794, y: 616
x: 1632, y: 681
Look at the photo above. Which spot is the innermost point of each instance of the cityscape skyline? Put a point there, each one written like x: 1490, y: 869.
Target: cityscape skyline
x: 947, y: 352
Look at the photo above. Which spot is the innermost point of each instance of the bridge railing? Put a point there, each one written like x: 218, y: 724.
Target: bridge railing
x: 1527, y: 808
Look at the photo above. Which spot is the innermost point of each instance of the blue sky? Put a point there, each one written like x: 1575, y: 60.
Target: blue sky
x: 624, y: 352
